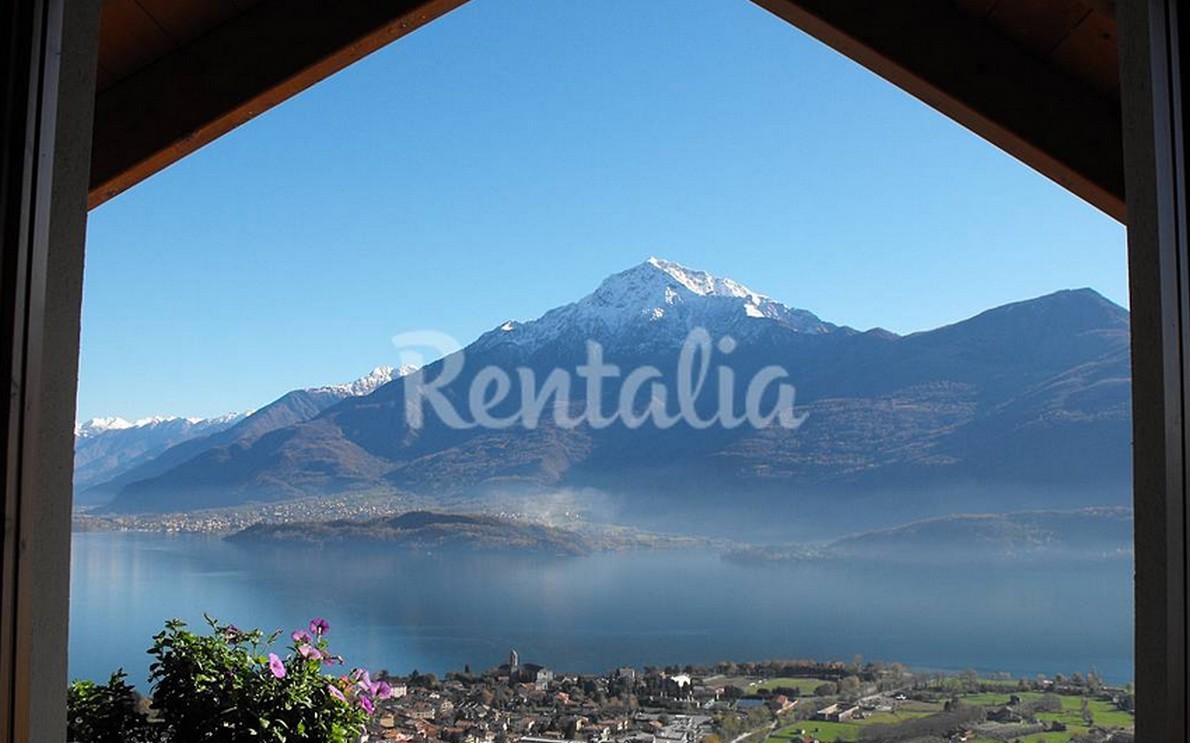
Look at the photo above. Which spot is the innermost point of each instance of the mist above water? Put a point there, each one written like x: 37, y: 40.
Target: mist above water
x: 437, y: 612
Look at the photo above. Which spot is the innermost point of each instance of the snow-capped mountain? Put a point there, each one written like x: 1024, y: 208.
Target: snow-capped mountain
x: 1022, y: 406
x: 132, y: 451
x: 105, y: 447
x: 366, y: 384
x: 97, y: 426
x: 656, y: 302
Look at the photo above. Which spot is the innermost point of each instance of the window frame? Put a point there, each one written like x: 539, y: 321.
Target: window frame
x: 47, y: 93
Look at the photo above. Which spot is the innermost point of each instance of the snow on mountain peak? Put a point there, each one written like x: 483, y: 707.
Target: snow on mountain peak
x: 222, y: 419
x: 365, y: 385
x: 368, y: 383
x: 663, y: 298
x: 699, y: 282
x: 658, y: 284
x: 97, y: 426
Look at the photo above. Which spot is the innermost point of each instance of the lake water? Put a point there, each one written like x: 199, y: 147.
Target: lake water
x: 401, y: 611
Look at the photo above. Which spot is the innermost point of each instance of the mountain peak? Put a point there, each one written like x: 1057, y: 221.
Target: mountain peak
x: 658, y: 272
x: 1070, y: 309
x: 97, y: 426
x: 664, y: 298
x: 368, y: 383
x: 365, y: 385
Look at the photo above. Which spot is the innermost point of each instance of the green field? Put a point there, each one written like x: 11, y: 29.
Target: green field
x: 1040, y: 737
x: 1108, y: 715
x: 987, y: 699
x: 832, y: 731
x: 1000, y: 683
x: 1104, y: 713
x: 913, y: 707
x: 805, y: 686
x: 828, y: 731
x: 889, y: 718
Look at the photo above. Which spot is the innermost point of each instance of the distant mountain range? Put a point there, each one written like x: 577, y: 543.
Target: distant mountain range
x: 110, y: 453
x: 1080, y: 534
x: 428, y: 531
x: 1023, y: 406
x: 107, y: 447
x: 1094, y: 534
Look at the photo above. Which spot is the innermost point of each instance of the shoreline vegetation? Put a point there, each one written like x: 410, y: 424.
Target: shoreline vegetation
x: 1085, y: 534
x: 436, y: 531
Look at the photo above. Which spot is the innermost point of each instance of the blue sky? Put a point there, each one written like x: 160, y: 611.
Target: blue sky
x: 506, y: 158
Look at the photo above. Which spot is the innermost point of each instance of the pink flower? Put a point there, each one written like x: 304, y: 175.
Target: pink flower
x: 309, y: 652
x: 382, y: 690
x: 302, y: 636
x: 366, y: 704
x: 335, y: 692
x: 319, y: 626
x: 276, y: 666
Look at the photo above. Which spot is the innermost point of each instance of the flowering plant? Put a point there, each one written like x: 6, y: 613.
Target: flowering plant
x: 232, y: 685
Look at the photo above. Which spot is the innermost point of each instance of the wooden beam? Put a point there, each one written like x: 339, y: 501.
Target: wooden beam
x: 968, y: 71
x: 272, y: 51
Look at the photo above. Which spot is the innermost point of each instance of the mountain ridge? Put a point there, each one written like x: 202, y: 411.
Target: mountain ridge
x: 293, y: 407
x: 1027, y: 398
x: 105, y: 447
x: 435, y: 531
x: 1094, y: 533
x: 655, y: 295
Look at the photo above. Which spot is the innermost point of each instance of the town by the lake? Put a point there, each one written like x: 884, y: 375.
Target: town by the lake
x: 768, y: 702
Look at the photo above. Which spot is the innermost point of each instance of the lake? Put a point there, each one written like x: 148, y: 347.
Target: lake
x: 400, y: 611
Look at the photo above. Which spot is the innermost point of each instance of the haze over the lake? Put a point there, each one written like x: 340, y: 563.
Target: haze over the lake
x: 399, y: 611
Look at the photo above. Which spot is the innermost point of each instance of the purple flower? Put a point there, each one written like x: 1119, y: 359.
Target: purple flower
x: 335, y: 692
x: 309, y: 652
x: 382, y: 690
x: 319, y: 626
x: 276, y: 666
x: 302, y: 636
x: 366, y: 704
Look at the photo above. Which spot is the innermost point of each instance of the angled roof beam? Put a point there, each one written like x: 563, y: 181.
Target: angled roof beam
x: 270, y: 52
x: 968, y: 71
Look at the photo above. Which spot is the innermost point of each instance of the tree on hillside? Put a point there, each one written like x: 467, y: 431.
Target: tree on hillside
x: 849, y: 686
